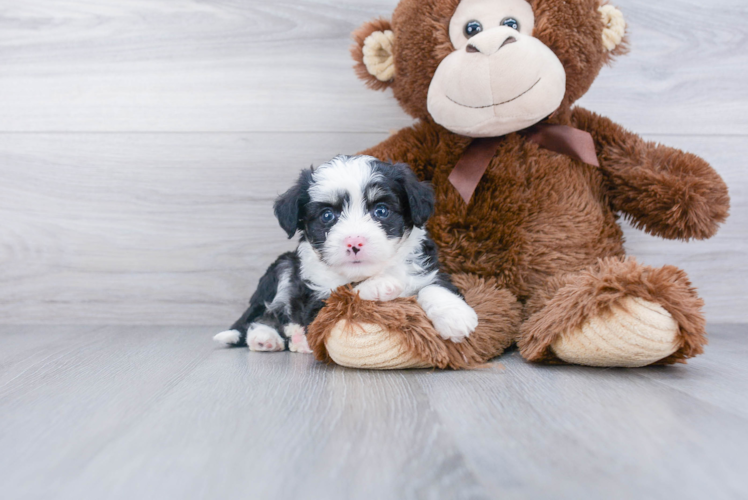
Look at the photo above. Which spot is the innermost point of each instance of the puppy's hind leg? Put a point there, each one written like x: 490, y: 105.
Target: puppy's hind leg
x: 267, y: 290
x: 236, y: 336
x: 265, y: 338
x: 230, y: 338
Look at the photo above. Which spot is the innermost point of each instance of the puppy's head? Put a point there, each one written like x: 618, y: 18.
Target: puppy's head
x: 355, y: 211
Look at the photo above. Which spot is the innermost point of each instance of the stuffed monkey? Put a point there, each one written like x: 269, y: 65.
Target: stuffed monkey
x: 529, y: 191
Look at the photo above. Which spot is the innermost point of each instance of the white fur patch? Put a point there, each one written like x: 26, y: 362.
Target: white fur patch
x: 451, y: 316
x: 340, y: 176
x: 264, y: 338
x: 229, y: 337
x: 292, y: 329
x: 319, y: 276
x: 297, y: 338
x: 382, y: 288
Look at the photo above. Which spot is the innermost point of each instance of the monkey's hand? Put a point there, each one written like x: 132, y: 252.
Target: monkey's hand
x: 663, y: 191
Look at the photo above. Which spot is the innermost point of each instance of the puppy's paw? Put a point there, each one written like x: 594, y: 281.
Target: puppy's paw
x: 264, y: 338
x: 297, y: 339
x: 229, y: 337
x: 382, y: 288
x: 451, y: 316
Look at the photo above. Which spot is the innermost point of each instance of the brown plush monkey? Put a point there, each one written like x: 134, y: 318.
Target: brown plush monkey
x: 529, y: 190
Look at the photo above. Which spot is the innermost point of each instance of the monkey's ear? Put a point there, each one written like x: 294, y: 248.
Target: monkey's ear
x: 614, y: 29
x: 373, y: 52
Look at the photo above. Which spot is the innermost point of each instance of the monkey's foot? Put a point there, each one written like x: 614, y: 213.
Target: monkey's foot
x: 365, y: 345
x: 634, y: 333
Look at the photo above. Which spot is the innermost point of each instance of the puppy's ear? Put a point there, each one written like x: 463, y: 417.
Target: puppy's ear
x: 373, y: 52
x: 288, y: 206
x: 420, y: 196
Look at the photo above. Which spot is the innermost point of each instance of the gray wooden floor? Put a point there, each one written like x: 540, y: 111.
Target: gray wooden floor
x: 160, y: 413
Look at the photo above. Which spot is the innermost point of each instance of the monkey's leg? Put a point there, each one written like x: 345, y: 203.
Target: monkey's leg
x: 616, y: 313
x: 397, y: 334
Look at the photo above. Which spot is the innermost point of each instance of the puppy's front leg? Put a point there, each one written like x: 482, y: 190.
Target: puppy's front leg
x: 382, y: 288
x: 296, y: 335
x: 450, y: 314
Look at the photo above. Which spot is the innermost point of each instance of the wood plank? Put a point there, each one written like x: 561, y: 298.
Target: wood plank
x: 156, y: 65
x: 60, y: 413
x: 274, y: 427
x: 177, y: 228
x: 719, y: 377
x: 224, y: 424
x: 533, y: 431
x: 23, y: 348
x: 159, y: 412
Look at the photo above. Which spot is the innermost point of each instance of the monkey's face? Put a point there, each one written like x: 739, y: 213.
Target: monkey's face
x: 499, y: 79
x: 484, y: 68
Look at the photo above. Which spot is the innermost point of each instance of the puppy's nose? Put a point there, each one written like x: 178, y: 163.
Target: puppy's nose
x: 354, y: 243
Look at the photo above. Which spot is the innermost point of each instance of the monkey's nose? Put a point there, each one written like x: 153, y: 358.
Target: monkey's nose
x: 488, y: 45
x: 509, y: 40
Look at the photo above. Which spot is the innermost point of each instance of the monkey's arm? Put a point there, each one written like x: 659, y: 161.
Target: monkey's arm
x: 663, y: 191
x: 412, y: 145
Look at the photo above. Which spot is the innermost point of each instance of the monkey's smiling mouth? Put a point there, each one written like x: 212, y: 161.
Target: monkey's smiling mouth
x: 498, y: 103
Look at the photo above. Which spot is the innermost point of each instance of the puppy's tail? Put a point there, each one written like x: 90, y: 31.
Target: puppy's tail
x: 231, y: 338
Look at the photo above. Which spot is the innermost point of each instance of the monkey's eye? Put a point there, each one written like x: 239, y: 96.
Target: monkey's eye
x: 511, y: 22
x: 472, y: 28
x: 327, y: 216
x: 381, y: 211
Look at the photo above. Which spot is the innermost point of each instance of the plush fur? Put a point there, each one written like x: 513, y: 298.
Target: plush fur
x: 543, y: 227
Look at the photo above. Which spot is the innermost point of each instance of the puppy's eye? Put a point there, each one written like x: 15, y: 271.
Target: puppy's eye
x: 327, y: 216
x: 381, y: 211
x: 511, y: 23
x: 472, y: 28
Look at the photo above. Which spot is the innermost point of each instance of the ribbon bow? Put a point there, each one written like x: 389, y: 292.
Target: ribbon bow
x: 562, y: 139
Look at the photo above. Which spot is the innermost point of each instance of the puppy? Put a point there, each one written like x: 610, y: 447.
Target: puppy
x: 361, y: 222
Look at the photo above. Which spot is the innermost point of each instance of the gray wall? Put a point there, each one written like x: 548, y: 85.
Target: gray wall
x: 143, y: 141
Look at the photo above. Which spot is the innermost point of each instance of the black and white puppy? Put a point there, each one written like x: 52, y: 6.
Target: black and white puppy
x: 361, y: 222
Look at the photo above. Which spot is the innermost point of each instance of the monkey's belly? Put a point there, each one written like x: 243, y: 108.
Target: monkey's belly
x: 523, y: 250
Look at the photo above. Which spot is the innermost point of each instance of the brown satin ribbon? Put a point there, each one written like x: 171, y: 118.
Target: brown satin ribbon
x: 466, y: 175
x: 562, y: 139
